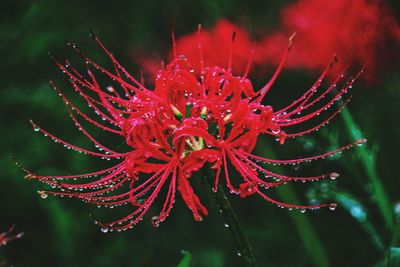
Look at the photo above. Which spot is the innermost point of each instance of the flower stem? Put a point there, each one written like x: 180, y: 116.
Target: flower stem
x: 231, y: 219
x: 235, y: 227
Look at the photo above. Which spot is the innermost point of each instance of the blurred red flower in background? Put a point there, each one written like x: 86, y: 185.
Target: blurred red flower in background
x: 196, y: 114
x: 216, y: 44
x: 356, y: 31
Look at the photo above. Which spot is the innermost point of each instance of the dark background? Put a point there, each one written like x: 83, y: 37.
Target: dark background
x: 60, y: 232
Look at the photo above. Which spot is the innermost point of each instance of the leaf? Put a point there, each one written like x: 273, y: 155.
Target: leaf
x: 187, y: 258
x: 393, y: 257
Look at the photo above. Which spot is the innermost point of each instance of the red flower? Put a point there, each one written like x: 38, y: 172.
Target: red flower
x: 355, y: 30
x: 8, y: 236
x: 216, y: 46
x: 188, y: 120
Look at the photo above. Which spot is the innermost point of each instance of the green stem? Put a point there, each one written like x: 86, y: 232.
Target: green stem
x: 231, y: 219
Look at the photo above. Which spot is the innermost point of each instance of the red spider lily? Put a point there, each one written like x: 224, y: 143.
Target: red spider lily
x: 172, y: 131
x: 8, y: 236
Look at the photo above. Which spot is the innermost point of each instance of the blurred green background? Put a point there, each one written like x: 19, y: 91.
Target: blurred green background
x: 60, y: 232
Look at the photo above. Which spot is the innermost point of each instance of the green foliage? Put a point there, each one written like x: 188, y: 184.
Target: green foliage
x: 393, y: 258
x: 186, y: 260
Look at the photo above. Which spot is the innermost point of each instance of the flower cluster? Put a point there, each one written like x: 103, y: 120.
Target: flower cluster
x: 190, y: 120
x: 8, y: 236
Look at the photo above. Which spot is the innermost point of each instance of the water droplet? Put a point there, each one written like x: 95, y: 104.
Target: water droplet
x: 332, y: 206
x: 104, y: 229
x: 155, y: 221
x: 302, y: 210
x: 334, y: 175
x: 226, y: 225
x: 239, y: 253
x: 276, y: 130
x: 42, y: 194
x: 361, y: 141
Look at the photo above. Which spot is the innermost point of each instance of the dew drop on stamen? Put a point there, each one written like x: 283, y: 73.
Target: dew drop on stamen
x: 334, y: 175
x: 332, y: 206
x: 42, y: 194
x: 276, y: 130
x: 361, y: 141
x: 155, y: 221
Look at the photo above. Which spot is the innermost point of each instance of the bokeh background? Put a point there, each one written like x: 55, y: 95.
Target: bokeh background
x: 60, y: 232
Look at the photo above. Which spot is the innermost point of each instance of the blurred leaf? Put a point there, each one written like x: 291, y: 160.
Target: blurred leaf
x: 328, y: 191
x: 393, y: 258
x: 187, y: 258
x: 368, y: 159
x: 305, y: 229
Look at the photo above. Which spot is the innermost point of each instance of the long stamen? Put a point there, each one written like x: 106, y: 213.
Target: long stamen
x: 231, y: 51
